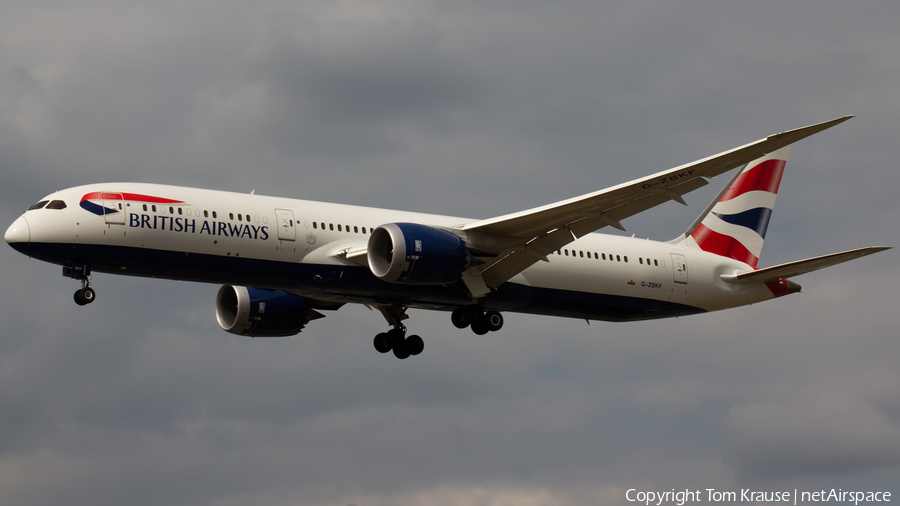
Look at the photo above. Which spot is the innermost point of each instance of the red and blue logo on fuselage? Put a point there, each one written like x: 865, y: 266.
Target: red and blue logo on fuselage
x: 106, y: 203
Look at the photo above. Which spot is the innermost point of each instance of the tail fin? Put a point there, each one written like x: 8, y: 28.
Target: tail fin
x: 735, y: 224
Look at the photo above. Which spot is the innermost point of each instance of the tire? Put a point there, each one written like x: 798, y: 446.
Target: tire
x: 79, y: 298
x: 458, y: 317
x: 401, y: 351
x: 395, y: 337
x: 414, y: 344
x: 382, y: 343
x: 493, y: 320
x: 480, y: 327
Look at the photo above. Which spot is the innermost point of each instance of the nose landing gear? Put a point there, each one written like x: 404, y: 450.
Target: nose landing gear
x: 86, y: 294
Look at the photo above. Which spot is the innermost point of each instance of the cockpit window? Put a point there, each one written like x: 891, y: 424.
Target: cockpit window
x: 38, y: 205
x: 56, y: 204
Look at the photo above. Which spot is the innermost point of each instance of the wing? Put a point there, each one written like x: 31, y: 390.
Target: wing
x: 510, y: 244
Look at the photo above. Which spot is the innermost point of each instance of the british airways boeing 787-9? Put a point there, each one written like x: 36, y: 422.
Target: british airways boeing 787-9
x: 282, y: 261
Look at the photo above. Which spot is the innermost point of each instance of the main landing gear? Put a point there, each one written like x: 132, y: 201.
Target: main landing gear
x: 86, y: 294
x: 404, y: 346
x: 474, y: 316
x: 396, y: 339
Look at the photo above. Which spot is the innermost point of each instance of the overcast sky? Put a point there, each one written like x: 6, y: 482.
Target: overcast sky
x: 468, y: 108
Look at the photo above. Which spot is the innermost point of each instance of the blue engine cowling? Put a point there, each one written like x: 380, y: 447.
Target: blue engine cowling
x: 257, y: 312
x: 416, y: 254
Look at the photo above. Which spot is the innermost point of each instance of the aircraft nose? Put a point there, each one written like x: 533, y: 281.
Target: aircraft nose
x: 18, y: 235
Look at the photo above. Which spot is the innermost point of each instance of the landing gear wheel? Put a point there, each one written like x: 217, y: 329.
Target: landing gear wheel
x: 401, y: 350
x: 414, y: 344
x: 493, y: 320
x: 85, y: 296
x: 480, y: 327
x: 382, y: 343
x: 458, y: 317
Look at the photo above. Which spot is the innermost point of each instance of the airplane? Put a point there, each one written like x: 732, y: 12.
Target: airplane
x: 281, y: 262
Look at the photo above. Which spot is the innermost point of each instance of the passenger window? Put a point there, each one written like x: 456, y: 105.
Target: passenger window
x: 656, y: 263
x: 604, y: 256
x: 240, y: 218
x: 567, y: 252
x: 595, y: 256
x: 315, y: 225
x: 215, y: 215
x: 230, y: 216
x: 145, y: 207
x: 641, y: 261
x: 153, y: 207
x: 59, y: 204
x: 626, y: 260
x: 618, y: 258
x: 348, y: 228
x: 581, y: 254
x: 179, y: 211
x: 364, y: 230
x: 171, y: 210
x: 331, y: 226
x: 339, y: 227
x: 206, y: 214
x: 38, y: 205
x: 355, y: 229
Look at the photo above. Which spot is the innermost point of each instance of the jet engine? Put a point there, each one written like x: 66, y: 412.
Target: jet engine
x: 415, y: 254
x: 257, y: 312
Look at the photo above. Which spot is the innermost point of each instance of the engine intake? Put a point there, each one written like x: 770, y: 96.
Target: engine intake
x: 257, y: 312
x: 410, y: 253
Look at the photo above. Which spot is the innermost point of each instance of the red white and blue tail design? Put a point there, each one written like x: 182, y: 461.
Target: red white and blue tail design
x: 735, y: 226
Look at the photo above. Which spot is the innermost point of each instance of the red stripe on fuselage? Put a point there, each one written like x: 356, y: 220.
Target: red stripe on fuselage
x: 713, y: 242
x: 764, y: 177
x: 133, y: 197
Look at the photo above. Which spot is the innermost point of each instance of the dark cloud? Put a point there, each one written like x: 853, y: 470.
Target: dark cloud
x: 470, y: 109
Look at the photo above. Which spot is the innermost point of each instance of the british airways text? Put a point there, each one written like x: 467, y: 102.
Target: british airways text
x: 189, y: 225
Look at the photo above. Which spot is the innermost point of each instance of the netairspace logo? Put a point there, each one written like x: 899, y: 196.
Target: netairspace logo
x: 711, y: 495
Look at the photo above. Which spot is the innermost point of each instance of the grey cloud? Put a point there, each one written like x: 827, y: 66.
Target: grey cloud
x: 822, y: 433
x: 463, y: 108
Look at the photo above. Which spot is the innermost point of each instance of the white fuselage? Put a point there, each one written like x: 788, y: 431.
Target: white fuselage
x: 294, y: 245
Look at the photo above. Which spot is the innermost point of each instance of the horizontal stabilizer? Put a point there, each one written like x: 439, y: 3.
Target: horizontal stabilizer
x: 799, y: 267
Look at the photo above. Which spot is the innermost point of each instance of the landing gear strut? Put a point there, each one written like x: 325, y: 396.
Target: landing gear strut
x: 395, y: 339
x: 474, y: 316
x: 86, y: 294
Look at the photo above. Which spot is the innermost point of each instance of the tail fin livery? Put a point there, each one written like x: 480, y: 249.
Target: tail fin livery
x: 735, y: 226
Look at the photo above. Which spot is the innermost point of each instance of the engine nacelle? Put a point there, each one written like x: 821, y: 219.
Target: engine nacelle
x: 257, y: 312
x: 416, y: 254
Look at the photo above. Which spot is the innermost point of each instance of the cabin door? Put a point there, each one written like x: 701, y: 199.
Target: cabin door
x: 285, y: 220
x: 679, y: 264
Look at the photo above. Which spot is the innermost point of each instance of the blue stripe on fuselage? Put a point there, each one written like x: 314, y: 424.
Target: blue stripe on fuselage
x: 336, y: 281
